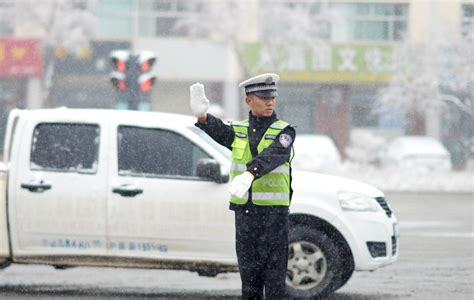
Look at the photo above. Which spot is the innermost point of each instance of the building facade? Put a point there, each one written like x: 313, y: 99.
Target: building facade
x: 333, y: 56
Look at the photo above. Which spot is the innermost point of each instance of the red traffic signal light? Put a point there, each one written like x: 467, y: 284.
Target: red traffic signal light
x: 146, y: 60
x: 118, y: 80
x: 145, y: 82
x: 120, y: 60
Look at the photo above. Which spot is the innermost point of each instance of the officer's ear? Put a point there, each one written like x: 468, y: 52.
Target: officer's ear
x: 248, y: 99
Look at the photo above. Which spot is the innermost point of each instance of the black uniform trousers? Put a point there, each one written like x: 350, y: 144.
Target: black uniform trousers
x: 262, y: 250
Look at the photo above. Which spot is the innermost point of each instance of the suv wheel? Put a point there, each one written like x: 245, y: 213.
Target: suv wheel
x: 313, y: 263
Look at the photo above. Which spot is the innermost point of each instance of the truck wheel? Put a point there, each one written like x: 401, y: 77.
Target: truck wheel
x: 5, y: 263
x: 344, y: 277
x: 208, y: 273
x: 314, y: 263
x: 62, y: 267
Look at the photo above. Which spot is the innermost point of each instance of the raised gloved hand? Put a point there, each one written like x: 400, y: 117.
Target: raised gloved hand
x: 199, y: 102
x: 241, y: 184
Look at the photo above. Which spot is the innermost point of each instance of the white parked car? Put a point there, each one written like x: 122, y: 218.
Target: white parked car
x: 421, y: 153
x: 315, y: 152
x: 142, y: 189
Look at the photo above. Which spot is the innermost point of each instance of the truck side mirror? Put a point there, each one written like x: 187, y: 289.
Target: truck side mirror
x: 210, y: 169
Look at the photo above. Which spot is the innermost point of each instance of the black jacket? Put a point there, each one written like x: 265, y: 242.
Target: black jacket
x: 262, y: 163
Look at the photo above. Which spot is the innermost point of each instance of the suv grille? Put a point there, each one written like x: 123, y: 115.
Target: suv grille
x: 384, y: 204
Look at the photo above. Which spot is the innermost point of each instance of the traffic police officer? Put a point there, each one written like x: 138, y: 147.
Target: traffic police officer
x: 261, y: 183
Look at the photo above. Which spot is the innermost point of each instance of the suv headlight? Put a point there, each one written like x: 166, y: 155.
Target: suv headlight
x: 357, y: 202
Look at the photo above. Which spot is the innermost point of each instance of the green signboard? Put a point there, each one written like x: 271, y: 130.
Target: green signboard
x: 322, y: 62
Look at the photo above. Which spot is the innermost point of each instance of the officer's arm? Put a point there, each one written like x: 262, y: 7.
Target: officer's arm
x: 217, y: 130
x: 278, y: 153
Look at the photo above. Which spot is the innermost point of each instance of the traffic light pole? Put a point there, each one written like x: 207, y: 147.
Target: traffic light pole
x: 132, y: 82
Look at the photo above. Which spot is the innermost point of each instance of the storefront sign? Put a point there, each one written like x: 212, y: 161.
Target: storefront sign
x: 20, y: 58
x: 321, y: 62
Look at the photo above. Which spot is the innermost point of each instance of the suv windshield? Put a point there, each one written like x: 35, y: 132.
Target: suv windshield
x: 227, y: 153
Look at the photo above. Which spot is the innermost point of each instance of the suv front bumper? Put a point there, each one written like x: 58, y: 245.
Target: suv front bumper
x: 377, y: 235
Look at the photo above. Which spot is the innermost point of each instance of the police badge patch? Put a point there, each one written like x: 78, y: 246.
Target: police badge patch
x: 285, y: 140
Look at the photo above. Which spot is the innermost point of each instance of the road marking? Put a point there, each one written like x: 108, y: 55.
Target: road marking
x: 447, y: 234
x: 428, y: 224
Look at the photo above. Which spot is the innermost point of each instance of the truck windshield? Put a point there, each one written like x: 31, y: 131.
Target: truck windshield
x: 226, y: 152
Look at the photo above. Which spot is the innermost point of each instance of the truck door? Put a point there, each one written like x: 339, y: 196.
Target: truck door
x: 58, y: 193
x: 158, y: 206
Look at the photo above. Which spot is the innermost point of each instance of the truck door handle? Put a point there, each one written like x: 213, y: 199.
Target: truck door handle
x: 127, y: 190
x: 36, y: 187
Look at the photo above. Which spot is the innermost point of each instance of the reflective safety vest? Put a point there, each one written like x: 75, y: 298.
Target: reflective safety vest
x: 270, y: 189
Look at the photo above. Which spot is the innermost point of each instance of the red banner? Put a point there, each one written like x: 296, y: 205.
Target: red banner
x: 20, y: 58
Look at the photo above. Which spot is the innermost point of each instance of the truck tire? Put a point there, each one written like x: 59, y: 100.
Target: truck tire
x: 314, y: 263
x: 208, y: 273
x: 62, y: 267
x: 5, y: 263
x: 346, y: 273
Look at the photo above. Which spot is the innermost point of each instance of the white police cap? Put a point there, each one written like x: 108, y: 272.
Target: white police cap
x: 264, y: 85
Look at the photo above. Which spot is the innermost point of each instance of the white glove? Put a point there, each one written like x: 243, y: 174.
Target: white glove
x: 241, y: 184
x: 199, y: 102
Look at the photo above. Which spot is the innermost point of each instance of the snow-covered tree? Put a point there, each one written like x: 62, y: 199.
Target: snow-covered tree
x: 428, y: 75
x: 61, y: 24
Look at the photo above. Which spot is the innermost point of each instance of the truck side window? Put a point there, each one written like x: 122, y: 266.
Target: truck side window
x: 155, y: 152
x: 65, y: 147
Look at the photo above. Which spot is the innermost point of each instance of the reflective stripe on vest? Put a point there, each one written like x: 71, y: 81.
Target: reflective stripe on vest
x: 272, y: 188
x: 242, y: 168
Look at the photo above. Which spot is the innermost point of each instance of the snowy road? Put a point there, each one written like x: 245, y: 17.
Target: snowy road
x: 436, y: 262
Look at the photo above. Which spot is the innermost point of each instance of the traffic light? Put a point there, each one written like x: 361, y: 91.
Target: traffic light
x: 120, y: 60
x: 132, y: 77
x: 146, y: 60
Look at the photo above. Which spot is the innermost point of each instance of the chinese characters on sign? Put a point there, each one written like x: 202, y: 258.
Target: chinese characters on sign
x: 322, y: 61
x: 20, y: 58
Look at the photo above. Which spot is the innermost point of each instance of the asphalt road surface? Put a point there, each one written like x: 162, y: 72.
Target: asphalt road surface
x: 436, y: 262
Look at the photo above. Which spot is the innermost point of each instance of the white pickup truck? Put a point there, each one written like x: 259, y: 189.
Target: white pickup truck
x: 145, y: 189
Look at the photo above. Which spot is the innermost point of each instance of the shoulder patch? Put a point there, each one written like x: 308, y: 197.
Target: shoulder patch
x: 285, y: 140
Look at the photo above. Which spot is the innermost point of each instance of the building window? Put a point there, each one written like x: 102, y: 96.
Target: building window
x: 115, y: 19
x: 369, y: 21
x: 467, y: 21
x: 161, y: 17
x: 125, y: 18
x: 336, y: 21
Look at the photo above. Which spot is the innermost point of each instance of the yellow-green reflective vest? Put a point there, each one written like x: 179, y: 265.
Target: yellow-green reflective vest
x: 272, y: 188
